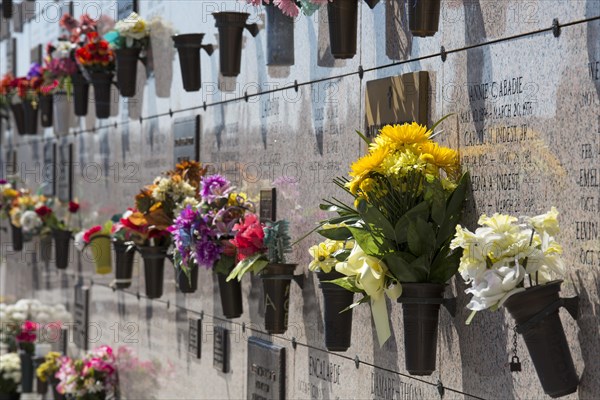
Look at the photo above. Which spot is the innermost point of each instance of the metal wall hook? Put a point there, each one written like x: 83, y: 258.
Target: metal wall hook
x: 253, y: 29
x: 443, y: 54
x: 555, y: 27
x: 356, y: 362
x: 361, y: 72
x: 208, y: 48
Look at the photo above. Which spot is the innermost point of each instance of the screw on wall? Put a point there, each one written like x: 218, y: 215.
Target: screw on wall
x: 357, y: 362
x: 294, y: 343
x: 440, y: 388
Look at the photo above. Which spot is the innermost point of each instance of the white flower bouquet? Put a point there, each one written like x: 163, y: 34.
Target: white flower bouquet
x: 503, y: 255
x: 10, y: 373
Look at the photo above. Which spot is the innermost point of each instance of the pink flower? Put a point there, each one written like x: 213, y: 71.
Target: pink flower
x: 249, y: 238
x: 88, y: 235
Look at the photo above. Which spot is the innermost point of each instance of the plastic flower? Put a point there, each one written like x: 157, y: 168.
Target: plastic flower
x: 43, y: 211
x: 132, y: 28
x: 249, y: 237
x: 323, y: 258
x: 405, y: 134
x: 30, y: 221
x: 547, y: 222
x: 213, y: 187
x: 89, y: 234
x: 73, y: 207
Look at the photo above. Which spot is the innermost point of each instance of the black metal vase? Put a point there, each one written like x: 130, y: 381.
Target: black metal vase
x: 41, y: 387
x: 338, y: 324
x: 7, y: 9
x: 277, y: 279
x: 10, y: 396
x: 231, y: 297
x: 27, y: 372
x: 17, y: 237
x: 123, y: 264
x: 54, y: 383
x: 280, y: 37
x: 30, y: 112
x: 62, y: 246
x: 102, y: 82
x: 81, y: 93
x: 127, y: 60
x: 545, y: 340
x: 187, y: 284
x: 343, y: 20
x: 19, y: 117
x: 231, y: 25
x: 154, y: 269
x: 423, y: 17
x: 420, y: 307
x: 188, y: 47
x: 46, y: 109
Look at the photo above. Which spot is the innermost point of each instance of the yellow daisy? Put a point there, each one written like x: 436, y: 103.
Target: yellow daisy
x: 442, y: 157
x: 370, y: 162
x: 405, y: 134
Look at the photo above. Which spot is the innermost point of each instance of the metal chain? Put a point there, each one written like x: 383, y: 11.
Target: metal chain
x: 515, y: 341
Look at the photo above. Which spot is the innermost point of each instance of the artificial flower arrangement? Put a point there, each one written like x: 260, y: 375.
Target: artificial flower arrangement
x: 94, y: 377
x: 262, y: 248
x: 46, y: 371
x: 156, y: 207
x: 202, y: 234
x: 77, y: 28
x: 408, y: 197
x: 124, y: 251
x: 10, y: 374
x: 292, y: 8
x: 27, y: 212
x: 98, y: 240
x: 57, y: 218
x: 129, y: 39
x: 517, y: 263
x: 60, y: 66
x: 8, y: 194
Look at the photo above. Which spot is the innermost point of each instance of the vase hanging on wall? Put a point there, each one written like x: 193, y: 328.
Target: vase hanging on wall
x: 536, y: 313
x: 62, y: 113
x: 81, y: 90
x: 7, y: 9
x: 231, y: 296
x: 41, y: 387
x: 102, y: 82
x: 54, y: 384
x: 231, y: 26
x: 187, y: 284
x: 10, y: 396
x: 277, y: 280
x: 19, y: 117
x: 343, y: 21
x: 30, y: 113
x: 124, y: 254
x: 46, y: 109
x: 62, y: 246
x: 127, y: 62
x: 27, y: 372
x: 280, y: 37
x: 188, y: 47
x: 420, y: 308
x: 101, y: 254
x: 338, y: 323
x: 423, y: 17
x: 17, y: 237
x: 154, y: 269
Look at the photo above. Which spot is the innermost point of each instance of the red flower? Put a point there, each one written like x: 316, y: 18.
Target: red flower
x: 43, y: 211
x: 87, y: 236
x: 27, y: 334
x: 73, y: 207
x: 249, y: 238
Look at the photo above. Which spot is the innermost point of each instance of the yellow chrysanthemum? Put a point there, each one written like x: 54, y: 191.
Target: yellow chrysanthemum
x: 10, y: 193
x: 405, y: 134
x: 368, y: 185
x: 354, y: 184
x: 370, y: 162
x: 442, y: 157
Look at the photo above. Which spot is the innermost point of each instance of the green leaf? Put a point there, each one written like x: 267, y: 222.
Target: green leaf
x: 445, y: 264
x: 454, y: 210
x: 436, y: 197
x: 363, y: 137
x: 365, y: 299
x: 341, y: 255
x: 340, y: 233
x: 367, y: 242
x: 348, y: 283
x: 254, y: 263
x: 224, y: 265
x: 440, y: 121
x: 377, y: 221
x: 421, y: 237
x: 421, y: 210
x: 400, y: 266
x: 420, y: 266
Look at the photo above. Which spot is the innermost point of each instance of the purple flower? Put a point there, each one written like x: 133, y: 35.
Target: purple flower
x: 35, y: 71
x: 214, y: 186
x: 3, y: 181
x: 207, y: 253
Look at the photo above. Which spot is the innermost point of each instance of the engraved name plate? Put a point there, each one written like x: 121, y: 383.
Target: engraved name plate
x: 266, y: 370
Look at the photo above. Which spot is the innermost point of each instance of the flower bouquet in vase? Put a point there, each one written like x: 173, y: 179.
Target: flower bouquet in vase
x: 408, y: 197
x: 130, y: 40
x: 202, y: 235
x: 518, y: 265
x: 337, y: 300
x: 10, y: 376
x: 57, y: 217
x: 98, y: 61
x: 61, y: 67
x: 149, y: 222
x: 9, y: 99
x: 98, y: 240
x: 261, y: 248
x: 26, y: 216
x: 26, y: 339
x: 47, y: 370
x: 124, y: 248
x: 8, y: 199
x: 94, y: 377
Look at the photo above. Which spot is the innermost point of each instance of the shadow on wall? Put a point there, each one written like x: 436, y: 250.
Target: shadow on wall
x: 398, y: 39
x: 588, y: 336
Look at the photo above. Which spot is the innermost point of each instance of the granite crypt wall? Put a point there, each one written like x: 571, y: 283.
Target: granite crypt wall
x: 526, y: 119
